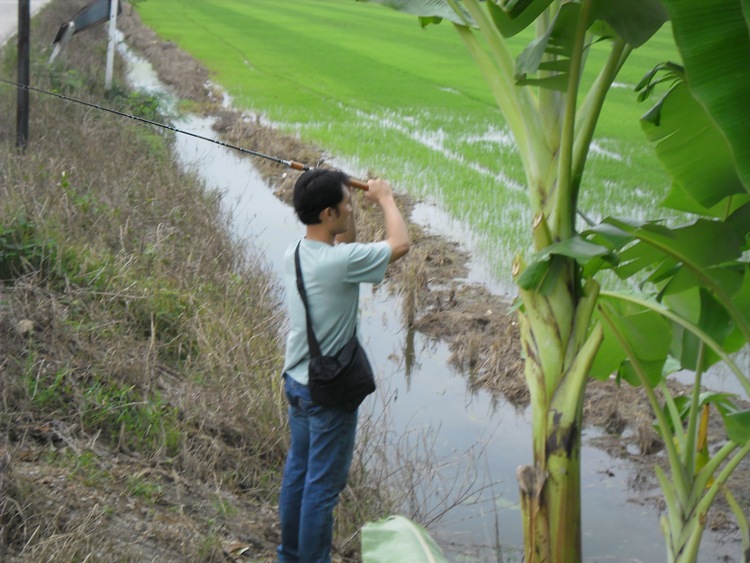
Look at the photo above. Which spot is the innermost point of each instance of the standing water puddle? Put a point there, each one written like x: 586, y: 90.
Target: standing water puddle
x: 458, y: 451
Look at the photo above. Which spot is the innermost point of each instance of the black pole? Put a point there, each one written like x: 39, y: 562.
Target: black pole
x: 22, y: 107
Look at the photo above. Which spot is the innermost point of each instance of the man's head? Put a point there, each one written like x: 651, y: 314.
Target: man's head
x: 317, y: 190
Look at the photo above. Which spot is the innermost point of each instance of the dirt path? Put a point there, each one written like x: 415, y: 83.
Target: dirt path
x: 9, y: 16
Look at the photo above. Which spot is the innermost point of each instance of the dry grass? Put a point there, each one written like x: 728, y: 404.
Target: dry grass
x: 140, y: 343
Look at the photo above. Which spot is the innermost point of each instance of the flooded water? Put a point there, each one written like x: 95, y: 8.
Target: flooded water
x: 454, y: 452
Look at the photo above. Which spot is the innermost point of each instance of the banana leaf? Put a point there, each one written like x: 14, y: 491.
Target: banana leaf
x: 714, y: 41
x: 397, y: 538
x: 429, y: 11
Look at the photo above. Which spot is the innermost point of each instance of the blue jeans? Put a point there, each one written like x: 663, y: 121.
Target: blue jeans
x: 316, y: 470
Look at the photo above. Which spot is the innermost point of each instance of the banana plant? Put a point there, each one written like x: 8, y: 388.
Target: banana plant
x: 697, y: 476
x: 552, y: 118
x: 698, y: 273
x: 693, y: 309
x: 563, y: 321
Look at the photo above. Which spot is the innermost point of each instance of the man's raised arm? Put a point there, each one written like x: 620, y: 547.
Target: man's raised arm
x: 396, y: 231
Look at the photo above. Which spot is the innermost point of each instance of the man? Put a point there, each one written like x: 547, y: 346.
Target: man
x: 333, y: 266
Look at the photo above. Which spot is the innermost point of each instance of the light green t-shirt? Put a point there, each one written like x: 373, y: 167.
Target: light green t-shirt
x: 332, y: 275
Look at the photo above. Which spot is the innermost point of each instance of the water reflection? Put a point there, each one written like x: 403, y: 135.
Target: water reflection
x: 454, y: 452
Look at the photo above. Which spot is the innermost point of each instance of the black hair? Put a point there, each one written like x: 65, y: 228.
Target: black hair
x: 316, y: 190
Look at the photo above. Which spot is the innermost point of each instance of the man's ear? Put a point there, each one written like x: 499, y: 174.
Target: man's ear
x: 325, y: 215
x: 329, y: 213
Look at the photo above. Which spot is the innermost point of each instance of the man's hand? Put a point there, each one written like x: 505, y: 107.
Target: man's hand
x: 378, y: 189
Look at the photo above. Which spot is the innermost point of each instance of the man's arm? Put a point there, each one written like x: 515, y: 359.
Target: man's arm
x: 396, y: 231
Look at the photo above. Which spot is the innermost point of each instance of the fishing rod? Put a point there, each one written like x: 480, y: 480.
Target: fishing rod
x: 290, y: 163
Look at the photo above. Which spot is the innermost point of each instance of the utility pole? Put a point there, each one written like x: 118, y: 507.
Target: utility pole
x: 22, y: 94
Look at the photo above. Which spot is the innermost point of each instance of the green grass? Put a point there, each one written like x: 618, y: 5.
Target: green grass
x: 382, y: 94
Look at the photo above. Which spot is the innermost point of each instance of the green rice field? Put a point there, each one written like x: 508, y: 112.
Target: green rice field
x: 384, y: 96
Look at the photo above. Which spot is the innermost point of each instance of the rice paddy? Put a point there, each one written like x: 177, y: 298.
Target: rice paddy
x: 388, y: 98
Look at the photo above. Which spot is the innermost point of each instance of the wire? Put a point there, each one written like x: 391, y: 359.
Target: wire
x: 290, y: 163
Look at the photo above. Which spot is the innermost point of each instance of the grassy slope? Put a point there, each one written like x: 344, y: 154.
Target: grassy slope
x: 134, y: 333
x: 386, y: 96
x: 140, y: 343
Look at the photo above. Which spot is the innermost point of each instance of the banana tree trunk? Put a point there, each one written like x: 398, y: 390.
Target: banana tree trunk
x: 559, y: 348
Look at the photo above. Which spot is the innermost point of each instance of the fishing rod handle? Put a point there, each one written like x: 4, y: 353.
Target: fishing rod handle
x: 297, y: 165
x: 359, y: 184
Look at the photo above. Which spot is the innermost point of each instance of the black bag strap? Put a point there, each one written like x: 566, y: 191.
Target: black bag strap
x: 312, y: 342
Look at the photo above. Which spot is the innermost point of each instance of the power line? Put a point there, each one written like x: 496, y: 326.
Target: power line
x: 290, y: 163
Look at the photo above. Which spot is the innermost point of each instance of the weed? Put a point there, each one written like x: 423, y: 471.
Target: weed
x: 210, y: 548
x: 147, y: 425
x: 140, y: 104
x: 223, y: 507
x: 66, y: 81
x: 145, y: 490
x: 49, y: 391
x: 88, y: 467
x: 21, y: 248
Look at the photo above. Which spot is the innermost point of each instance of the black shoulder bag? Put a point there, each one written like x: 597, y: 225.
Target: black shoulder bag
x: 342, y: 380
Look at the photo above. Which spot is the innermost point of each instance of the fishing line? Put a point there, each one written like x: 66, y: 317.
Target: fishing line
x: 290, y: 163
